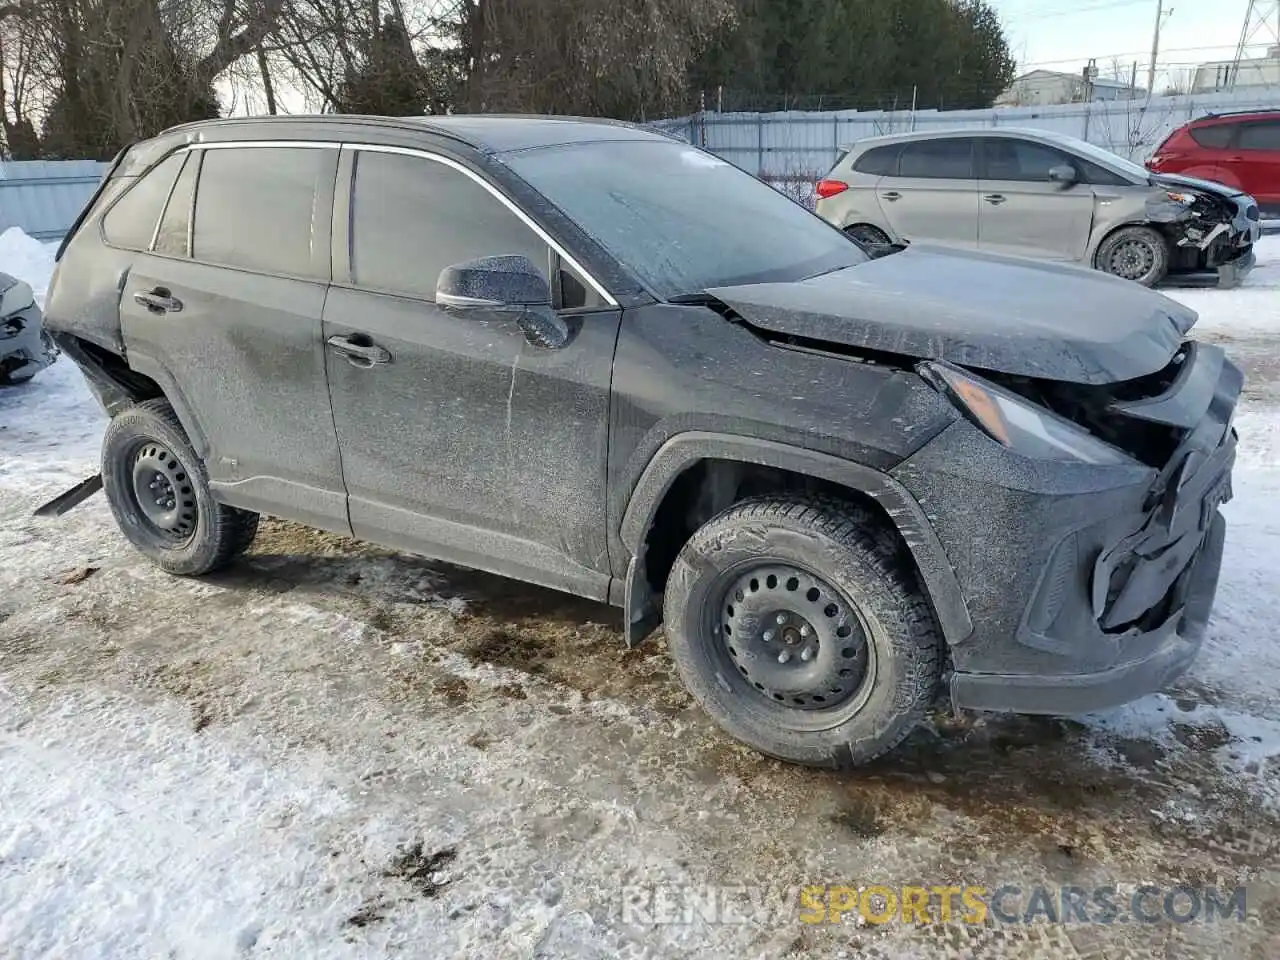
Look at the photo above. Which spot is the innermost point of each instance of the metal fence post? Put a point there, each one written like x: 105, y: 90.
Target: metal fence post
x: 759, y: 144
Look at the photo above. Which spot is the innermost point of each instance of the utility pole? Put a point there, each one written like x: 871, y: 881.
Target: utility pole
x: 1155, y: 45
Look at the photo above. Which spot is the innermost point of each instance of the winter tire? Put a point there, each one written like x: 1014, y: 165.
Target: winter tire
x: 800, y: 629
x: 1139, y: 254
x: 159, y: 494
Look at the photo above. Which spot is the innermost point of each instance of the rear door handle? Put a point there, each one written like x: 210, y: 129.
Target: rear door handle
x: 359, y: 350
x: 159, y: 300
x: 995, y: 199
x: 891, y: 196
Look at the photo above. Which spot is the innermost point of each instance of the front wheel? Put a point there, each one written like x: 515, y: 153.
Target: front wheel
x: 802, y: 632
x: 159, y: 493
x: 1139, y: 254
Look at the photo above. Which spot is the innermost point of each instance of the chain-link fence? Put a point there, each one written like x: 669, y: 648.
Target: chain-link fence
x: 793, y: 149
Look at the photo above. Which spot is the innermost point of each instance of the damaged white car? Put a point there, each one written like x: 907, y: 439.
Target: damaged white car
x: 1033, y: 193
x: 25, y: 347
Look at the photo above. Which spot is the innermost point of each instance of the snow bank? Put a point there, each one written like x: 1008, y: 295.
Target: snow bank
x: 27, y: 259
x: 51, y: 430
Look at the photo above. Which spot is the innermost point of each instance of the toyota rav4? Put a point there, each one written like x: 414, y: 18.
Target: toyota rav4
x: 597, y: 359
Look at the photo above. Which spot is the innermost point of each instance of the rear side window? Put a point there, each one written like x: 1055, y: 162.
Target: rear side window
x: 412, y: 217
x: 946, y: 159
x: 131, y: 222
x: 1260, y: 136
x: 176, y: 223
x: 878, y: 161
x: 254, y: 208
x: 1216, y: 137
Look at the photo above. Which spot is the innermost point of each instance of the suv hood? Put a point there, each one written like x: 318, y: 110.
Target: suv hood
x: 978, y: 310
x: 1195, y: 183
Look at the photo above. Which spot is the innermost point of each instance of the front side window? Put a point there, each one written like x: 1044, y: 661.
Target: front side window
x: 950, y: 158
x: 1260, y: 136
x: 680, y: 220
x: 254, y: 208
x: 411, y: 217
x: 131, y: 222
x: 1021, y: 160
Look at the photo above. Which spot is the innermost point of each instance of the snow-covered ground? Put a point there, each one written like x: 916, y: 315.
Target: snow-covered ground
x: 338, y: 751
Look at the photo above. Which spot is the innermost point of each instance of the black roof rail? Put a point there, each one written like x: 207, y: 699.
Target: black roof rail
x: 1238, y: 113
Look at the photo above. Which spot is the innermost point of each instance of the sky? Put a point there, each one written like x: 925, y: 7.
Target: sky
x: 1065, y: 34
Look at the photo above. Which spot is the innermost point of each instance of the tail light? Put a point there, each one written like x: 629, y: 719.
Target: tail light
x: 829, y: 188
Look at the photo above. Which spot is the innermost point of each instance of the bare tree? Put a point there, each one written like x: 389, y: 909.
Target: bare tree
x: 98, y: 74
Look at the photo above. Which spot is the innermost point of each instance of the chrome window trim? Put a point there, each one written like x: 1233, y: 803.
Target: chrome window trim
x: 528, y: 221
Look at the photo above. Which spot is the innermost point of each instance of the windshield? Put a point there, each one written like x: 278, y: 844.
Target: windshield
x: 682, y: 220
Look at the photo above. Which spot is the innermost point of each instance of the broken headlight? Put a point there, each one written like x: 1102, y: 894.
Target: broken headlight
x: 1015, y: 422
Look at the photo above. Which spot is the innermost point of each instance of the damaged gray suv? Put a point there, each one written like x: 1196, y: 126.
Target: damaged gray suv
x: 593, y: 358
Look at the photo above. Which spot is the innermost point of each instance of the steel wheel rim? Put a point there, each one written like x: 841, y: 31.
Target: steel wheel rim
x: 791, y: 639
x: 1132, y: 259
x: 162, y: 492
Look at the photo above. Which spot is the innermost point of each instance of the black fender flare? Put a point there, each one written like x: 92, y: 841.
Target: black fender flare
x: 148, y: 366
x: 685, y: 449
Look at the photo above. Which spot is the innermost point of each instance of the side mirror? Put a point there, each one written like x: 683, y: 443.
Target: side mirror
x: 504, y: 286
x: 1063, y: 173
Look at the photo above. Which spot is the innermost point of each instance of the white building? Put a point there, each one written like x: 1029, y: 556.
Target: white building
x: 1255, y: 73
x: 1043, y: 88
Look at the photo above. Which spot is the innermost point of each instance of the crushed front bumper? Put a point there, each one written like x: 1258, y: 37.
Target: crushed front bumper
x: 1088, y: 585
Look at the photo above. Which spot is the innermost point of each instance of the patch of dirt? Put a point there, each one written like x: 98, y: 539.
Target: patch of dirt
x: 453, y: 690
x: 1203, y: 739
x: 425, y: 872
x: 77, y: 576
x: 369, y: 913
x: 505, y: 648
x: 860, y: 819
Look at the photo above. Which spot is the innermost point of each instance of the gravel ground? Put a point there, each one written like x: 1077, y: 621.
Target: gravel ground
x: 332, y: 750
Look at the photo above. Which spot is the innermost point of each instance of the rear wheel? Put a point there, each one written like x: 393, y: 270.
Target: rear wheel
x: 1139, y: 254
x: 800, y: 630
x: 159, y: 494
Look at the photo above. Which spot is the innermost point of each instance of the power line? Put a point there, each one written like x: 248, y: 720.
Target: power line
x: 1135, y: 53
x: 1073, y: 11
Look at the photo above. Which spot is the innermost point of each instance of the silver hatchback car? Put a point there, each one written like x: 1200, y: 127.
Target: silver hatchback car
x: 1038, y: 194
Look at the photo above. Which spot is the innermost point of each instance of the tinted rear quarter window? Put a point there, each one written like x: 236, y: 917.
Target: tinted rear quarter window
x: 175, y: 225
x: 1260, y: 136
x: 878, y: 161
x: 412, y: 217
x: 1216, y: 137
x: 254, y: 208
x: 131, y: 222
x: 945, y: 159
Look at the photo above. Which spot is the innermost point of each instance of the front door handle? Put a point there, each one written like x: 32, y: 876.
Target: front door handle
x: 359, y: 350
x: 159, y: 300
x: 995, y: 199
x: 891, y: 196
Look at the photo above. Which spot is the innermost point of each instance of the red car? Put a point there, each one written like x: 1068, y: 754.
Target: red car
x: 1241, y: 150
